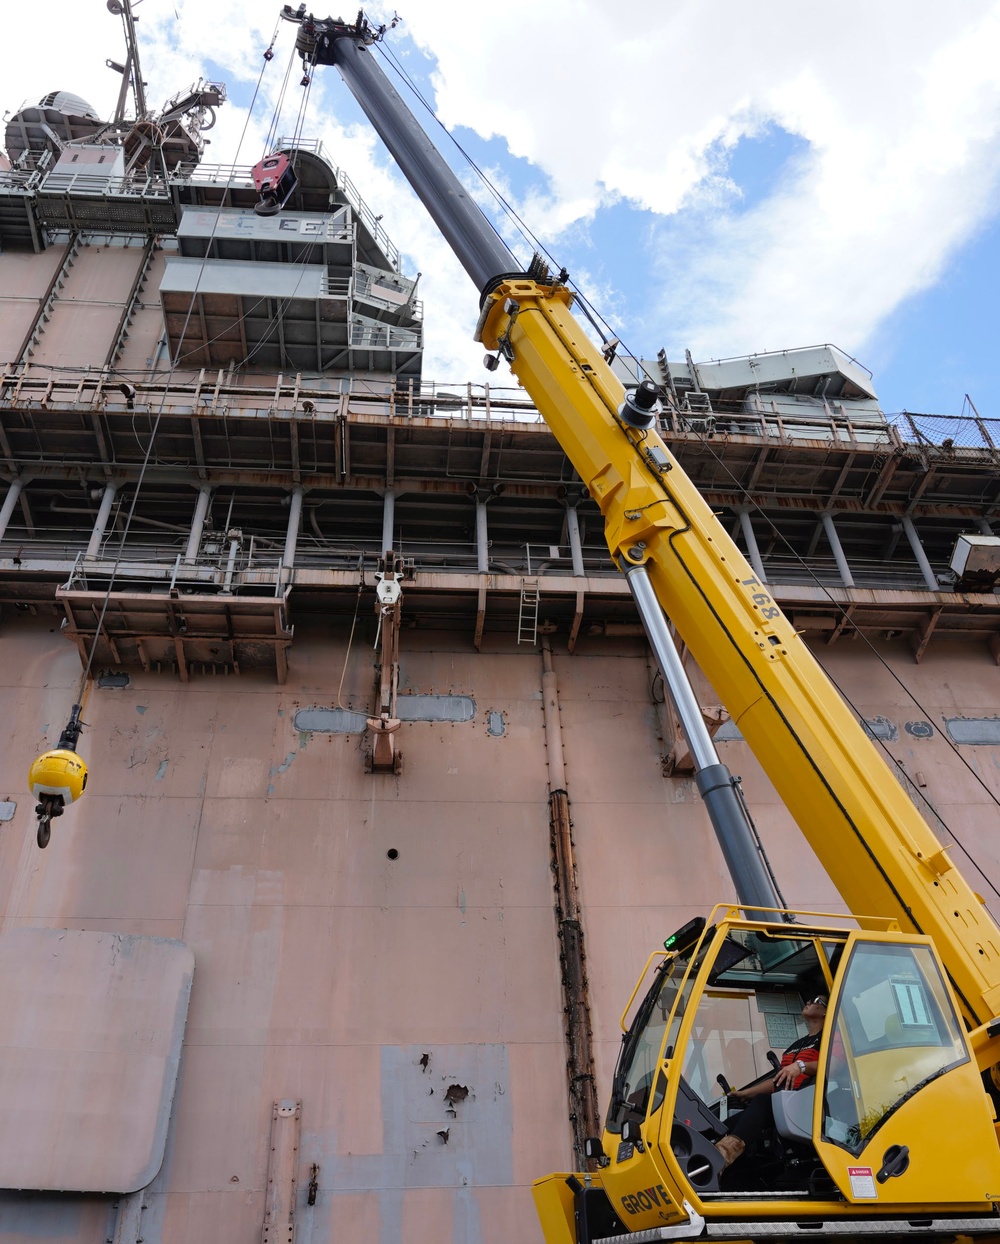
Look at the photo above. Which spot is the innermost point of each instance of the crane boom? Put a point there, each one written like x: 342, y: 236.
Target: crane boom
x: 874, y: 844
x: 914, y: 907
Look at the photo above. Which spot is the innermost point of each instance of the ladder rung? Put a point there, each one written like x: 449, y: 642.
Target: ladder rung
x: 527, y: 617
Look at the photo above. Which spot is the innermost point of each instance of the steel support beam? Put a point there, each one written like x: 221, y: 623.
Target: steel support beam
x: 292, y: 533
x: 753, y: 551
x: 198, y: 524
x: 843, y: 569
x: 930, y: 578
x: 388, y: 519
x: 9, y: 504
x: 103, y: 514
x: 575, y: 544
x: 482, y: 539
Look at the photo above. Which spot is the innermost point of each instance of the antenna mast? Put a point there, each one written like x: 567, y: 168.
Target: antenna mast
x: 131, y: 71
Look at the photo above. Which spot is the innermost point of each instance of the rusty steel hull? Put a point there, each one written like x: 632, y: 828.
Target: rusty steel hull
x: 411, y: 1004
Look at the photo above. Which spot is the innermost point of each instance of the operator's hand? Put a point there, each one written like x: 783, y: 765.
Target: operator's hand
x: 785, y: 1077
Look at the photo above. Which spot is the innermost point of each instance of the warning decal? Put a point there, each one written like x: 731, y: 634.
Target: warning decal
x: 862, y: 1183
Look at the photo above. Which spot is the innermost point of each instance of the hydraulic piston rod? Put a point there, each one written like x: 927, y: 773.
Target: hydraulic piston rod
x: 716, y: 785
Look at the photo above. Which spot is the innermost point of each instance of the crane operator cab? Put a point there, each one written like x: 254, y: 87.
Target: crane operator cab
x: 859, y: 1137
x: 275, y: 181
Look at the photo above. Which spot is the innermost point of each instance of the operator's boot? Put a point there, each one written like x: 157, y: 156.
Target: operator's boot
x: 730, y: 1147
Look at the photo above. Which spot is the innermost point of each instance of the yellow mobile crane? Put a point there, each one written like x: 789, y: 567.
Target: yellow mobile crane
x: 896, y: 1135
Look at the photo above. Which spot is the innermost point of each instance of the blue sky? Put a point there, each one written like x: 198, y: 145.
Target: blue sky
x: 942, y: 344
x: 927, y: 353
x: 715, y: 177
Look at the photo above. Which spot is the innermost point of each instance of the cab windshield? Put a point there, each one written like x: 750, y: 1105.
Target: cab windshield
x: 641, y: 1045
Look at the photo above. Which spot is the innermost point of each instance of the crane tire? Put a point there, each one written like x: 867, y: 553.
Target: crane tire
x: 44, y: 833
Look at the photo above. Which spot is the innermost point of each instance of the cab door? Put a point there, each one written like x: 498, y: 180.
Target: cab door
x: 901, y: 1117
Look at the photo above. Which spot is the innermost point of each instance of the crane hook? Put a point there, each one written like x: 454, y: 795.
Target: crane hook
x: 58, y: 777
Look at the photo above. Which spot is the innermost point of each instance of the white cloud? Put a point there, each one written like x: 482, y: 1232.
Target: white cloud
x: 897, y: 104
x: 898, y: 101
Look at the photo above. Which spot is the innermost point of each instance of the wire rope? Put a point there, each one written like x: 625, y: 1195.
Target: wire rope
x: 272, y: 133
x: 350, y: 640
x: 169, y: 376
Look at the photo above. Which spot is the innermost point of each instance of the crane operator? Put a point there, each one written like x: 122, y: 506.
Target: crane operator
x: 798, y: 1067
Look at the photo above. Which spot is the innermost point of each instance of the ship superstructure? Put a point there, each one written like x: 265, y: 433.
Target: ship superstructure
x: 334, y: 942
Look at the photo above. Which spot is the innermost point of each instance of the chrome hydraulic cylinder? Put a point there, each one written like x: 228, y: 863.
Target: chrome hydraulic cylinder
x: 716, y: 785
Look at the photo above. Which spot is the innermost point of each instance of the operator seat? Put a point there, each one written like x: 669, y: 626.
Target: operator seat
x: 793, y: 1113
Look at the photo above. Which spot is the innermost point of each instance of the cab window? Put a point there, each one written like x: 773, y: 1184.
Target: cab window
x: 895, y: 1030
x: 639, y: 1059
x: 752, y: 1005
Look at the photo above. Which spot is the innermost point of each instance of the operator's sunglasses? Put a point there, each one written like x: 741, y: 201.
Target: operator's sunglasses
x: 817, y: 1001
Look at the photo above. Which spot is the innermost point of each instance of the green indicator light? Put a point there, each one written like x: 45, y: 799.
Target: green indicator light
x: 686, y: 936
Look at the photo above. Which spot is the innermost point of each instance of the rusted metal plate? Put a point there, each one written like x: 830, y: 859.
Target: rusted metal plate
x: 282, y: 1168
x: 91, y: 1029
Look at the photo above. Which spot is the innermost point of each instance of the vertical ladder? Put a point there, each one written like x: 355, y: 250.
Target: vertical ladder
x: 51, y: 297
x: 527, y: 617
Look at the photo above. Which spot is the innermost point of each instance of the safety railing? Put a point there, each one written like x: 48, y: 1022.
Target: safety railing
x: 335, y: 286
x: 256, y: 561
x: 830, y: 423
x: 236, y: 395
x: 232, y: 567
x: 866, y: 573
x: 368, y: 218
x: 241, y: 176
x: 229, y: 564
x: 16, y: 179
x: 371, y: 291
x: 221, y: 390
x: 99, y: 185
x: 385, y: 337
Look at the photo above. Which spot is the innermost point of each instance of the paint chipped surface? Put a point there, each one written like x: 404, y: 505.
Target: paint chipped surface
x: 326, y: 972
x: 278, y: 769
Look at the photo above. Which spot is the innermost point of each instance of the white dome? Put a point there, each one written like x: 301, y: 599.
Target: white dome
x: 69, y: 104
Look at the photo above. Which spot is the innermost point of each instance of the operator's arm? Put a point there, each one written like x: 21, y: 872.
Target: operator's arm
x: 763, y: 1088
x: 796, y: 1070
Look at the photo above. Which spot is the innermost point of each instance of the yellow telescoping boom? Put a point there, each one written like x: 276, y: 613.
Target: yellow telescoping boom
x: 896, y: 1135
